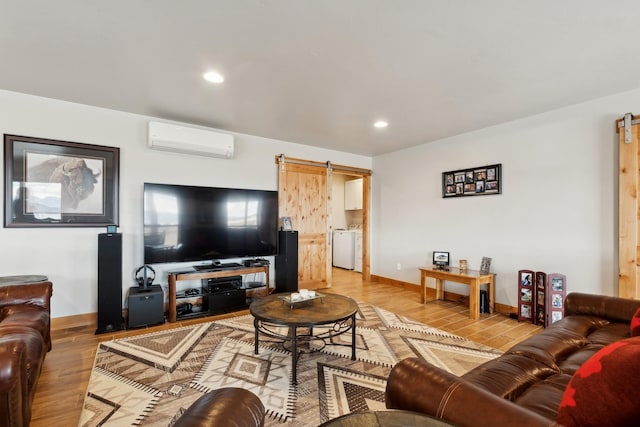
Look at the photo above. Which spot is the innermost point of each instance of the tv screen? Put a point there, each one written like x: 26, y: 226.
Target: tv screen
x: 189, y: 223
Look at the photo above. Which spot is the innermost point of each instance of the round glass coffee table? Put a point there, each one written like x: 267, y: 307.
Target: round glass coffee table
x: 278, y: 310
x: 388, y: 418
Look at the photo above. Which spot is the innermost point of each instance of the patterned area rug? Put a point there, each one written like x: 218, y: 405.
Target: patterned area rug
x: 151, y: 379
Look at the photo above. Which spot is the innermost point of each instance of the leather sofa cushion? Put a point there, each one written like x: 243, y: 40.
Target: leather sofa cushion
x: 509, y: 375
x: 543, y: 397
x: 610, y: 333
x: 573, y: 362
x: 13, y: 382
x: 27, y: 316
x: 563, y: 339
x: 34, y: 353
x: 26, y: 347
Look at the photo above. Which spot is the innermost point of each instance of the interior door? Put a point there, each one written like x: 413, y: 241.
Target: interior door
x: 629, y: 208
x: 303, y: 195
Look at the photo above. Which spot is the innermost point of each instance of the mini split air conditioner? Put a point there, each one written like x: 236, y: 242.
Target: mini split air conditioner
x: 182, y: 139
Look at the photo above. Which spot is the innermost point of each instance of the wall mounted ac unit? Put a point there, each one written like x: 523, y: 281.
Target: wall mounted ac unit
x: 182, y: 139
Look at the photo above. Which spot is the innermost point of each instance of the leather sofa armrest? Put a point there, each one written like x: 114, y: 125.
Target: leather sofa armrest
x: 38, y: 293
x: 610, y: 308
x: 13, y: 382
x: 416, y: 385
x: 230, y: 406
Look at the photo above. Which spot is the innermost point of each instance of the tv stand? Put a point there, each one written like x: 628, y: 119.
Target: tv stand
x: 217, y: 271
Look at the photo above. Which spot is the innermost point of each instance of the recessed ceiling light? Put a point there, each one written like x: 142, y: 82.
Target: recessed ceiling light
x: 213, y: 77
x: 380, y: 124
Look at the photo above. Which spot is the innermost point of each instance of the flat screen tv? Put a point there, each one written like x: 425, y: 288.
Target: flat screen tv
x: 189, y: 223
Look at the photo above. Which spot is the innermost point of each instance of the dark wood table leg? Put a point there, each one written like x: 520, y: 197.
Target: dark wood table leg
x: 294, y: 354
x: 353, y: 337
x: 255, y: 341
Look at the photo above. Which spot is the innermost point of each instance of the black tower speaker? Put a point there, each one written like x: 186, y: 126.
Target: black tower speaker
x: 287, y: 262
x: 109, y: 282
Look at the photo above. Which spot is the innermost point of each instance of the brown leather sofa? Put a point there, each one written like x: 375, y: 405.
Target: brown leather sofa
x: 524, y: 386
x: 230, y: 406
x: 25, y: 339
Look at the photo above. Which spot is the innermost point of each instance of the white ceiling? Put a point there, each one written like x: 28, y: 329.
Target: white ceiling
x: 321, y: 72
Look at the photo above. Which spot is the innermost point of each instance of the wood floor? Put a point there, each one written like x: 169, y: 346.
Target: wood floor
x: 60, y: 393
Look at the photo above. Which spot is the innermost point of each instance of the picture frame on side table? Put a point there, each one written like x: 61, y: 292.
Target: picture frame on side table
x: 52, y: 183
x: 286, y: 223
x: 485, y: 265
x: 478, y: 181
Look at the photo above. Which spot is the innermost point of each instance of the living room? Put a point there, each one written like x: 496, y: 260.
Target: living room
x: 558, y: 210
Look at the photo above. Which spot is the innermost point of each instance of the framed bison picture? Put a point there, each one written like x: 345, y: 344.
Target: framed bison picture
x: 50, y: 183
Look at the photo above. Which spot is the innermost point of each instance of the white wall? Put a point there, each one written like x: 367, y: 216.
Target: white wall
x: 68, y: 256
x: 557, y: 212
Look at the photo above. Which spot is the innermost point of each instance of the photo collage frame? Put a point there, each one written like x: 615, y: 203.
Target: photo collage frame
x: 482, y: 180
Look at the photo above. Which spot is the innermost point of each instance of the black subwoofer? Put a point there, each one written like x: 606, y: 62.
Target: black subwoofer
x: 109, y: 282
x: 146, y: 306
x: 287, y: 262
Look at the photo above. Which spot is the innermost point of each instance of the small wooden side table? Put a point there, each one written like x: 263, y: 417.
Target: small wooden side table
x: 471, y: 278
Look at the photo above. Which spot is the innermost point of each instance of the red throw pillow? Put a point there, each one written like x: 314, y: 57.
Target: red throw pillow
x: 635, y: 324
x: 604, y: 391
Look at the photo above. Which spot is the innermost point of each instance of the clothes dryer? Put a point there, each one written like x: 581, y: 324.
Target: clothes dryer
x: 344, y: 249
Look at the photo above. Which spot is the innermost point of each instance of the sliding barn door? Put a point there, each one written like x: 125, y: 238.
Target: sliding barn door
x: 303, y: 195
x: 629, y: 208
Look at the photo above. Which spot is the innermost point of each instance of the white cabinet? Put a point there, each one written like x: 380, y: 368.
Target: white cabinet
x: 353, y: 195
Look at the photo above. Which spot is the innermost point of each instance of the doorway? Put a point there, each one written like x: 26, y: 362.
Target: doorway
x: 347, y: 221
x: 305, y: 193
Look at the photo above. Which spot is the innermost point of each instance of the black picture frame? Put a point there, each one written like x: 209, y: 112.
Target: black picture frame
x: 485, y: 265
x: 479, y: 181
x: 441, y: 258
x: 52, y: 183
